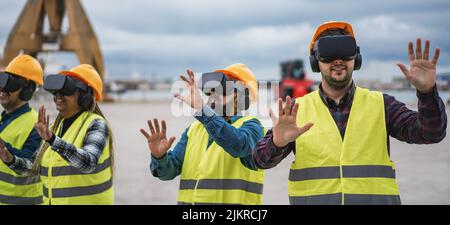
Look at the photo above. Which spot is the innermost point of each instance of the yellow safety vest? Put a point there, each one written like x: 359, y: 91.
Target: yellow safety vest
x: 355, y: 170
x: 212, y: 176
x: 67, y: 185
x: 14, y: 188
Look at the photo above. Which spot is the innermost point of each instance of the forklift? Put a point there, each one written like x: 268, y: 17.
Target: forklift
x: 293, y: 80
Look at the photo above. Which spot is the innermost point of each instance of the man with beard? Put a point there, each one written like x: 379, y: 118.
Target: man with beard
x: 18, y: 137
x: 214, y: 155
x: 340, y: 133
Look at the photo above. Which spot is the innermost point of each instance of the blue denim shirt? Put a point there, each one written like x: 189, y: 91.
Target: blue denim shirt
x: 33, y: 141
x: 238, y: 142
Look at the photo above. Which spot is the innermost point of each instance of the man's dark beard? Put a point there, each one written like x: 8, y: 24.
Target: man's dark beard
x: 338, y: 84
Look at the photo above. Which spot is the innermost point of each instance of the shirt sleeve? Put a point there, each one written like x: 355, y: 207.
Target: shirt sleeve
x: 23, y: 159
x: 169, y: 166
x: 29, y: 147
x: 21, y: 166
x: 238, y: 142
x: 426, y: 126
x: 266, y: 155
x: 85, y: 158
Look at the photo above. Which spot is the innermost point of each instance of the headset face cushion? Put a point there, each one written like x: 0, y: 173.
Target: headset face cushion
x: 329, y: 48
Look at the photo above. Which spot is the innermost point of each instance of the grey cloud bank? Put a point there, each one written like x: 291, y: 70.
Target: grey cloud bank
x: 164, y: 37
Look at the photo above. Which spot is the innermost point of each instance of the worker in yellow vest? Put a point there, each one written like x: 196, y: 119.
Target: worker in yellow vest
x: 340, y: 133
x: 214, y: 154
x: 17, y: 134
x: 76, y: 162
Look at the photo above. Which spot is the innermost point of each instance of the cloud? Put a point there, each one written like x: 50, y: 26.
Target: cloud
x: 165, y: 37
x: 247, y: 45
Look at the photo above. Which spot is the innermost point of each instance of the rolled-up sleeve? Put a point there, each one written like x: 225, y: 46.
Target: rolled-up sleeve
x: 169, y: 166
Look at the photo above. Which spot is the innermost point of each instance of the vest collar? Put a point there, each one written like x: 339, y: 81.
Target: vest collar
x: 16, y: 113
x: 66, y: 123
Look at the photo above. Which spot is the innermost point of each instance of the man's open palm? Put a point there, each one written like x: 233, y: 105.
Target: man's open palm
x: 157, y: 140
x: 422, y: 73
x: 285, y: 127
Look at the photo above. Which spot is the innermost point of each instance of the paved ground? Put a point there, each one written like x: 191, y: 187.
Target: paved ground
x: 422, y: 170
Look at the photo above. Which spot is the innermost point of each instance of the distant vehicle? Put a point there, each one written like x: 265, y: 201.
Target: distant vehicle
x: 293, y: 80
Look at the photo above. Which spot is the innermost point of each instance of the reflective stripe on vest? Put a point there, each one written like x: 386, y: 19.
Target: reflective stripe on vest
x: 8, y: 178
x: 14, y: 200
x: 356, y: 169
x: 78, y: 191
x: 70, y: 170
x: 212, y: 176
x: 65, y: 184
x: 15, y: 188
x: 350, y: 199
x: 347, y: 171
x: 227, y: 184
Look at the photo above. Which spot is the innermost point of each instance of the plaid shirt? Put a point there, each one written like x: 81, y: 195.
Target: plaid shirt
x: 424, y: 127
x: 85, y: 158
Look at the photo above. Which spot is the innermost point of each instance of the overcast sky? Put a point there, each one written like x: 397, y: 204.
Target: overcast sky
x: 164, y: 37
